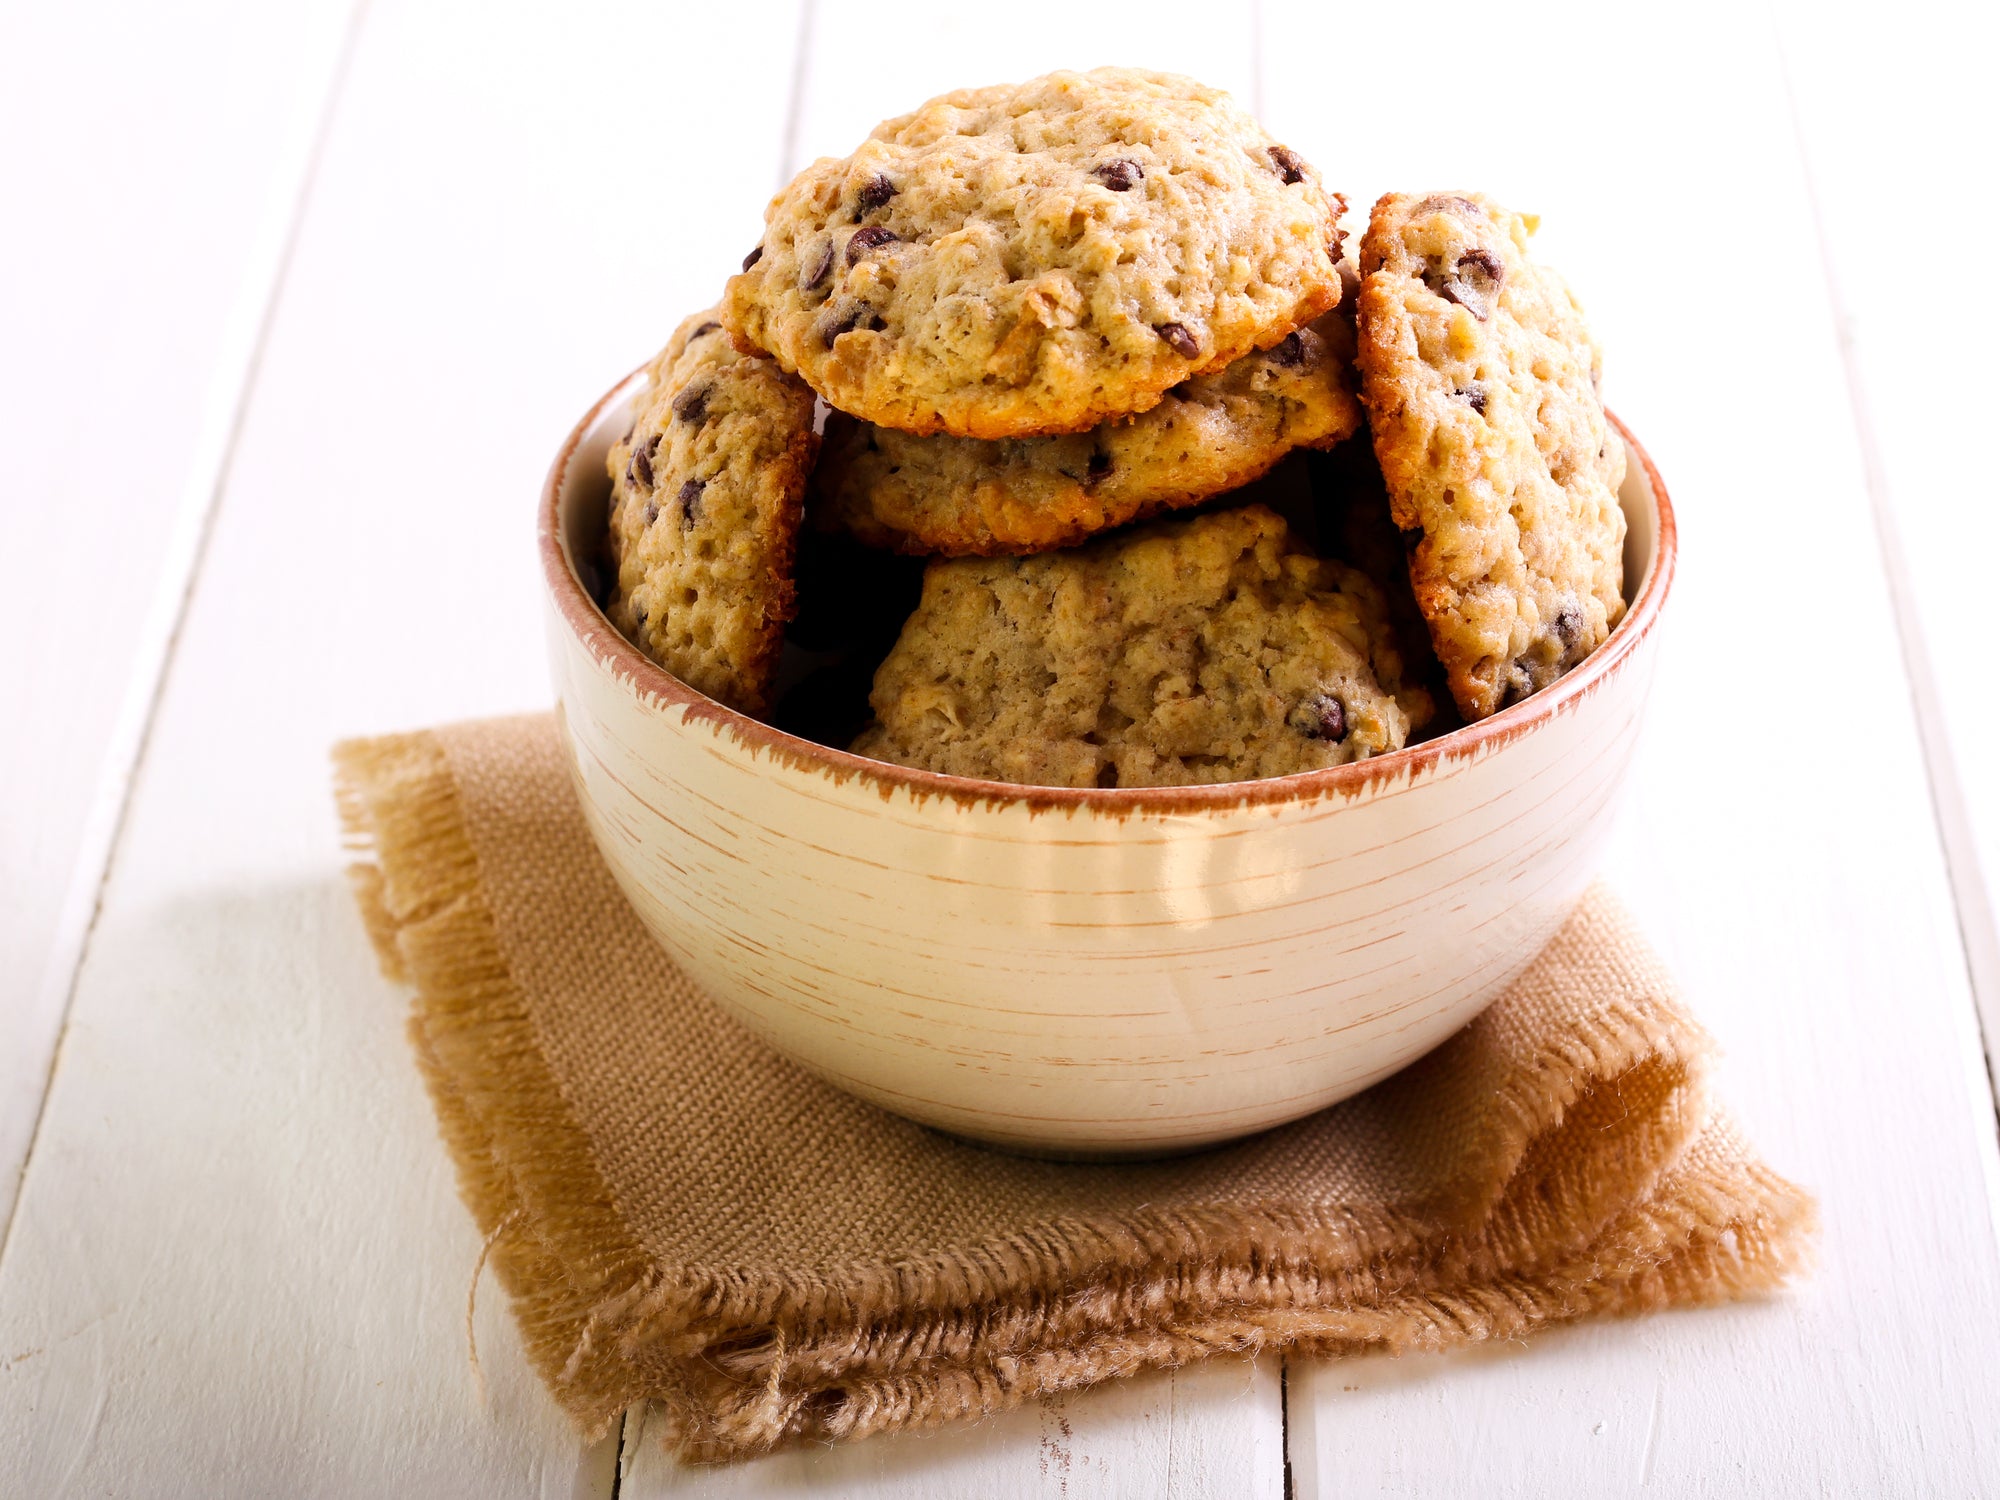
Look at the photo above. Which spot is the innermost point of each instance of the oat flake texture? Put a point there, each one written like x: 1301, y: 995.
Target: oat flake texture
x: 1196, y: 650
x: 1035, y: 258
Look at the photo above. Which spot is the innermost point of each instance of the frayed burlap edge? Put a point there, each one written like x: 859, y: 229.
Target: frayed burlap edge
x: 525, y: 1170
x: 742, y: 1363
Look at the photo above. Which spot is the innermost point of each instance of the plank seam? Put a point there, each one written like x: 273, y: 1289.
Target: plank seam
x: 1290, y: 1490
x: 1979, y: 941
x: 788, y: 143
x: 246, y: 334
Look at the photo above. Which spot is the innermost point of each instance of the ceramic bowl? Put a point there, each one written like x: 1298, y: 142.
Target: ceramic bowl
x: 1090, y: 972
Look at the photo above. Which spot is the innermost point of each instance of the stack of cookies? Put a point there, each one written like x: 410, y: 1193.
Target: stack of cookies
x: 1000, y: 344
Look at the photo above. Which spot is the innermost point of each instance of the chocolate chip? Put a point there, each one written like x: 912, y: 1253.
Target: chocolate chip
x: 691, y: 405
x: 641, y: 466
x: 1098, y: 467
x: 639, y: 618
x: 876, y: 191
x: 1474, y: 283
x: 1182, y: 342
x: 1473, y: 395
x: 1121, y: 175
x: 1321, y: 717
x: 753, y: 257
x: 689, y: 500
x: 704, y: 329
x: 1569, y: 625
x: 1465, y: 297
x: 1481, y: 268
x: 837, y: 323
x: 867, y: 238
x: 652, y: 512
x: 1289, y: 351
x: 1288, y: 163
x: 813, y: 275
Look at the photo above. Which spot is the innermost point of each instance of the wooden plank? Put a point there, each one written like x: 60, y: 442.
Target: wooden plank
x: 1212, y: 1429
x: 1786, y: 862
x: 238, y: 1265
x: 149, y: 212
x: 1216, y: 1431
x: 1890, y: 118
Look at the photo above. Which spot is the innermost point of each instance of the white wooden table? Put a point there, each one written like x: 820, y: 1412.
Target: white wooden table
x: 295, y: 302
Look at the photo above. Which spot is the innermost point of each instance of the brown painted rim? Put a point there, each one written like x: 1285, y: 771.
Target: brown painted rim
x: 581, y: 614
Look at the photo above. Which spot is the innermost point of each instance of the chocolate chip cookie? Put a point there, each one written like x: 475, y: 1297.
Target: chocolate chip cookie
x: 708, y: 490
x: 1481, y: 383
x: 1037, y: 258
x: 1202, y: 649
x: 963, y: 496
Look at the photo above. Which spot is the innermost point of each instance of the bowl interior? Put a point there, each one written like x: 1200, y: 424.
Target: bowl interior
x: 1642, y: 519
x: 583, y: 491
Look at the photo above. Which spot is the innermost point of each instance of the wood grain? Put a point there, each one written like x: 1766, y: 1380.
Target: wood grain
x: 149, y: 213
x: 238, y: 1266
x: 1798, y: 887
x: 1211, y: 1430
x: 455, y: 301
x: 1880, y: 159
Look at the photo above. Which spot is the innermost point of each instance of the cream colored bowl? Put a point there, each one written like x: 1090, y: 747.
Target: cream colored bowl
x: 1090, y: 972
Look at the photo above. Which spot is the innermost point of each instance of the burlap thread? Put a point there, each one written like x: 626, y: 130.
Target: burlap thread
x: 681, y: 1216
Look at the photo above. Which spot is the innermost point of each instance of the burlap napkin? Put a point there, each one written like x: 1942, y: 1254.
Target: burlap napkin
x: 681, y: 1216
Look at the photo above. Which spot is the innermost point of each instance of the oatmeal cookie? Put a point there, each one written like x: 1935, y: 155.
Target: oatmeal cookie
x: 963, y: 496
x: 1037, y: 258
x: 708, y: 491
x: 1481, y: 384
x: 1202, y: 649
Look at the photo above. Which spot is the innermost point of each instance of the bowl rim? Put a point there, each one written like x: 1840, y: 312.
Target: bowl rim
x: 581, y: 615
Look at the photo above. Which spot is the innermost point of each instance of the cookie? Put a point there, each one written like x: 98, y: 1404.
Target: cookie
x: 1481, y: 383
x: 708, y: 490
x: 1038, y: 258
x: 1201, y: 649
x: 963, y: 496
